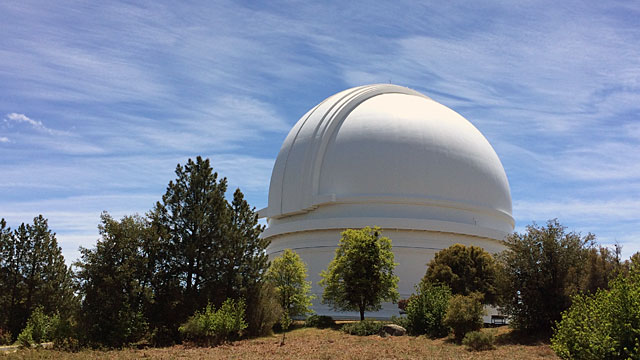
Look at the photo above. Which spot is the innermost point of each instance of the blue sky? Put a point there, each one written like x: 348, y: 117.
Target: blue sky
x: 100, y: 100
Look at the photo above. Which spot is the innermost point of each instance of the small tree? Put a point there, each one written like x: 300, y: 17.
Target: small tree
x: 465, y: 269
x: 288, y: 274
x: 542, y: 268
x: 361, y: 275
x: 115, y: 281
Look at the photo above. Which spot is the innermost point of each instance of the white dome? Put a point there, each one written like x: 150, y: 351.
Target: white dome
x: 388, y: 156
x: 375, y: 147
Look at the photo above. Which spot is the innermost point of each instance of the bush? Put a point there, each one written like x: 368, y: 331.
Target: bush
x: 5, y: 337
x: 264, y: 312
x: 605, y: 325
x: 215, y: 326
x: 25, y: 339
x: 40, y: 324
x: 363, y: 328
x: 479, y: 340
x: 63, y: 333
x: 319, y: 321
x: 37, y: 329
x: 426, y: 310
x: 464, y: 314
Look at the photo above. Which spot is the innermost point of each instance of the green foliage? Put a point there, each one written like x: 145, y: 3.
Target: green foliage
x: 39, y: 325
x: 213, y: 326
x: 361, y: 275
x: 479, y: 340
x: 319, y: 321
x: 605, y: 325
x: 266, y: 311
x: 601, y: 267
x: 400, y: 320
x: 288, y: 275
x: 32, y: 274
x: 64, y: 333
x: 363, y: 327
x: 465, y: 269
x: 115, y: 279
x: 208, y: 249
x: 542, y: 268
x: 5, y: 337
x: 37, y: 329
x: 464, y: 314
x: 25, y: 338
x: 427, y: 308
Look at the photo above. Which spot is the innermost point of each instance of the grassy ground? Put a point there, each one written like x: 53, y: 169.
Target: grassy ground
x: 309, y: 343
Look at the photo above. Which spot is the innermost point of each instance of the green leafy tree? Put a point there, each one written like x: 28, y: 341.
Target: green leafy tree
x: 115, y: 281
x: 32, y: 273
x: 288, y: 274
x: 208, y: 249
x: 361, y: 275
x: 601, y: 266
x: 465, y: 269
x: 542, y: 268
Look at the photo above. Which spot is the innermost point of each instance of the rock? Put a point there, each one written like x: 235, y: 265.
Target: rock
x: 393, y: 330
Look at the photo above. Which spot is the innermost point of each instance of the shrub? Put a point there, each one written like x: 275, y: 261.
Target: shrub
x: 264, y: 312
x: 25, y: 339
x: 215, y: 326
x: 363, y: 328
x: 464, y: 314
x: 479, y: 340
x: 605, y: 325
x: 40, y: 324
x: 63, y: 333
x: 426, y: 310
x: 5, y: 336
x: 319, y: 321
x: 37, y: 329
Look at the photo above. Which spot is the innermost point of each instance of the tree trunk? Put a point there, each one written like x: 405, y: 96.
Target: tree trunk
x: 361, y: 313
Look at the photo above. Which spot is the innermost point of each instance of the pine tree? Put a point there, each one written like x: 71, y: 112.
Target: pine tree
x: 33, y: 274
x: 208, y: 250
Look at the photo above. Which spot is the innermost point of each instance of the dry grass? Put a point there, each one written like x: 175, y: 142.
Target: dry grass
x: 307, y: 343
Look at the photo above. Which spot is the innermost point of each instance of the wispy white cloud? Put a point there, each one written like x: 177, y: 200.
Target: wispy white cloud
x: 127, y: 91
x: 601, y: 211
x: 22, y: 118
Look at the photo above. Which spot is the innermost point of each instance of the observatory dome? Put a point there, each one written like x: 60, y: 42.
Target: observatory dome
x: 389, y: 156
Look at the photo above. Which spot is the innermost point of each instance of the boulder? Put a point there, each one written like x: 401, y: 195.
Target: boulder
x: 392, y: 330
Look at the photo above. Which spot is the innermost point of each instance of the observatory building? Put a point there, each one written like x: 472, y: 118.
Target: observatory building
x: 388, y: 156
